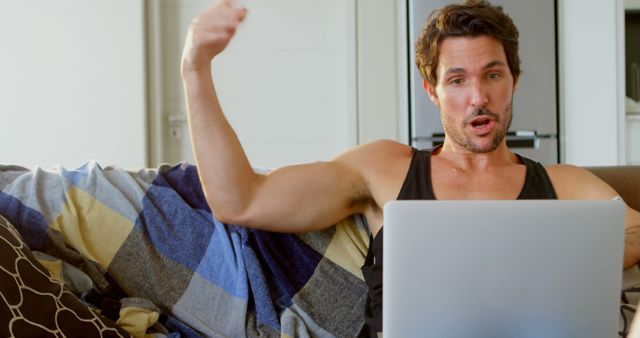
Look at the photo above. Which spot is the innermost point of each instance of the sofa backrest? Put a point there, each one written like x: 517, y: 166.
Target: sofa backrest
x: 624, y: 179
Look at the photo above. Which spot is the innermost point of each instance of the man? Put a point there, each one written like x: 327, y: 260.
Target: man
x: 468, y: 56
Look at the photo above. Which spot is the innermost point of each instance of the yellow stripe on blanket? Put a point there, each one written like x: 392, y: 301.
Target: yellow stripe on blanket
x: 348, y: 247
x: 53, y: 265
x: 90, y: 227
x: 136, y: 320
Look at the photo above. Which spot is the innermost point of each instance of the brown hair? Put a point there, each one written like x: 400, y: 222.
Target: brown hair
x: 471, y: 18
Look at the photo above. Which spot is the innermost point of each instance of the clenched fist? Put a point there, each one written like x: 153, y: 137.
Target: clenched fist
x: 209, y: 34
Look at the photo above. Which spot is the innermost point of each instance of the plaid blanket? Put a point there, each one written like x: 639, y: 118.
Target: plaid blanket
x: 150, y: 234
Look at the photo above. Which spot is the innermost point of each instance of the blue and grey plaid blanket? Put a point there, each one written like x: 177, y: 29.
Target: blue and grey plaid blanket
x: 150, y: 234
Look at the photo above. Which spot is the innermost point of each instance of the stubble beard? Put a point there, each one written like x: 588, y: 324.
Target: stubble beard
x: 458, y: 136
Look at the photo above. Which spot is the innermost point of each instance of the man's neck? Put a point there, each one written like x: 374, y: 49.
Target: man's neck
x: 467, y: 160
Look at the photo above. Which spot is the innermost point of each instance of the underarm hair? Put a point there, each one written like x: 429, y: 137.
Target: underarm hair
x: 363, y: 199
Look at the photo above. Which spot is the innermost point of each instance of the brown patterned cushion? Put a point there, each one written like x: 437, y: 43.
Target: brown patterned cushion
x: 34, y: 304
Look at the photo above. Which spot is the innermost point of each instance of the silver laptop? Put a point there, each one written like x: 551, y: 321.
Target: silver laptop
x: 455, y: 269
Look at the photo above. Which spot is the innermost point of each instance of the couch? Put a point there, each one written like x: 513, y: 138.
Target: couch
x: 624, y: 179
x: 134, y: 252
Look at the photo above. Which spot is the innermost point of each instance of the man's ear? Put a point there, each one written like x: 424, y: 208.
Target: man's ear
x: 516, y: 83
x: 432, y: 93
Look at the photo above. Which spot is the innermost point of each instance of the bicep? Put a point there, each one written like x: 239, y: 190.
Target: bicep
x: 633, y: 218
x: 578, y: 183
x: 572, y: 182
x: 304, y: 197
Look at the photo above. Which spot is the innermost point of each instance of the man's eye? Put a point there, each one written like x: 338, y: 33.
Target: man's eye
x: 456, y: 81
x: 494, y: 76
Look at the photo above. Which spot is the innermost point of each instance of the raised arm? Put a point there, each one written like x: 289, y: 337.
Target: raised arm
x: 296, y: 198
x: 576, y: 183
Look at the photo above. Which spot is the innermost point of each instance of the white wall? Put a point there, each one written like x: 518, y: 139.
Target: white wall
x: 591, y: 82
x: 72, y: 82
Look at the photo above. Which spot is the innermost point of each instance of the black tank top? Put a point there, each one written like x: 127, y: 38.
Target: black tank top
x: 417, y: 186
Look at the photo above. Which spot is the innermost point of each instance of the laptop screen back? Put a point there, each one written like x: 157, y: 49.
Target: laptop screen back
x: 502, y: 268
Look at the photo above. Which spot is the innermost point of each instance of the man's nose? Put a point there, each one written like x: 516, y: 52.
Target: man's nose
x: 479, y: 97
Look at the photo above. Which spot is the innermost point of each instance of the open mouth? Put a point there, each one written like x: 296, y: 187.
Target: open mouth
x: 480, y: 122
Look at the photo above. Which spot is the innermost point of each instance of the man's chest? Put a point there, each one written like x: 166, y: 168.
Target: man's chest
x: 498, y: 184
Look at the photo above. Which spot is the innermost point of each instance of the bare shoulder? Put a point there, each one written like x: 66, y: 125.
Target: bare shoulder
x: 572, y: 182
x: 376, y: 154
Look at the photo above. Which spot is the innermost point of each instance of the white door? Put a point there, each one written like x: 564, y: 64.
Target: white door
x: 287, y: 81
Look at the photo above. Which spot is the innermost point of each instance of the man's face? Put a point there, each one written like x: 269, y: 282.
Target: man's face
x: 474, y: 92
